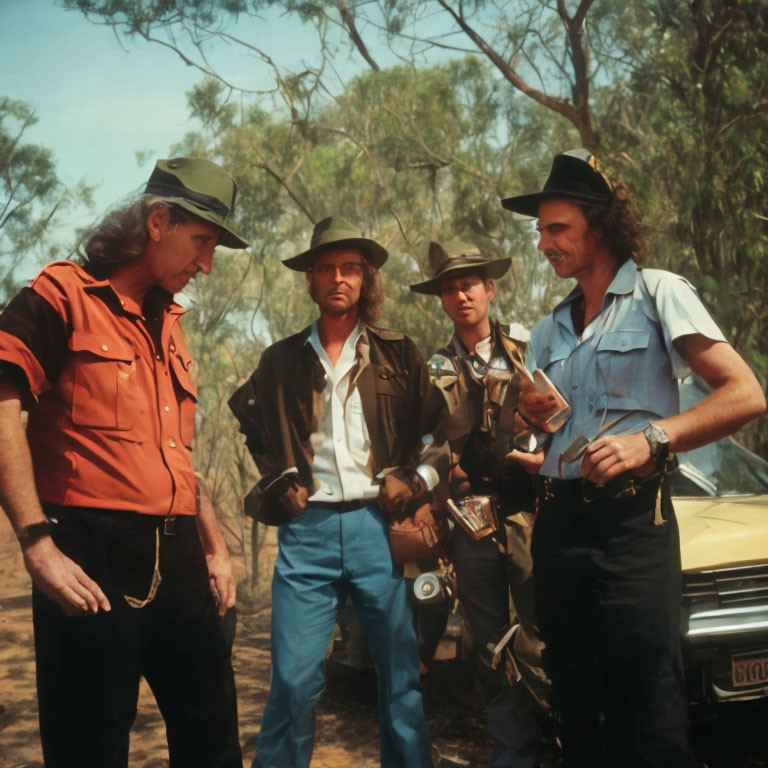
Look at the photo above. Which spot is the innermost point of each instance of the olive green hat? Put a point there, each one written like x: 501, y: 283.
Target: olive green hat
x: 576, y: 175
x: 201, y: 187
x: 455, y: 256
x: 337, y: 231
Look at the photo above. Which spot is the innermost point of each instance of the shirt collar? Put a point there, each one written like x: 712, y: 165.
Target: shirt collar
x: 313, y: 337
x: 623, y: 282
x: 126, y: 303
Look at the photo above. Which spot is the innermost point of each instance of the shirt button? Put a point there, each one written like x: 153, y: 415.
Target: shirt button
x: 158, y: 357
x: 172, y: 443
x: 104, y: 348
x: 167, y: 408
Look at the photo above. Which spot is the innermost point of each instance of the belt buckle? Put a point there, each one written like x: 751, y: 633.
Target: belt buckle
x: 169, y: 525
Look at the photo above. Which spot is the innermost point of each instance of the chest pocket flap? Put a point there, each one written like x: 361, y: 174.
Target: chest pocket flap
x: 107, y: 348
x: 182, y: 371
x: 389, y: 382
x: 187, y: 397
x: 549, y: 355
x: 623, y: 341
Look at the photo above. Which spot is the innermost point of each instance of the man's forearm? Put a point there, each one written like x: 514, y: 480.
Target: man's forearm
x: 208, y: 527
x: 217, y: 558
x: 18, y: 495
x: 736, y: 398
x: 58, y: 577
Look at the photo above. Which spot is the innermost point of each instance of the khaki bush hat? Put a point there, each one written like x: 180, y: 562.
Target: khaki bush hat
x: 201, y: 187
x: 455, y: 256
x: 337, y: 231
x: 576, y: 175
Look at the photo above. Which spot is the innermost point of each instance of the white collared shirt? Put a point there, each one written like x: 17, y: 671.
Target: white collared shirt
x: 341, y: 467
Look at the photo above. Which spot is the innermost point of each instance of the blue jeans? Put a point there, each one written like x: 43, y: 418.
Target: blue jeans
x: 324, y: 557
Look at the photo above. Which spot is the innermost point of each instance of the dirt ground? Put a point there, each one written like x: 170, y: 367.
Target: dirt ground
x: 347, y: 723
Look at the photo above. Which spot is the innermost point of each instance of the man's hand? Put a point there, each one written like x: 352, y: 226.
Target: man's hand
x: 395, y: 495
x: 62, y: 579
x: 221, y: 580
x: 424, y: 516
x: 530, y: 462
x: 295, y: 500
x: 613, y: 455
x: 536, y: 406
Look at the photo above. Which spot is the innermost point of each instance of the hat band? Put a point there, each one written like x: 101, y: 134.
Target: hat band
x: 460, y: 261
x: 207, y: 202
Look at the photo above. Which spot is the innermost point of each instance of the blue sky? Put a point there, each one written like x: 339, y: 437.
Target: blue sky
x: 98, y: 103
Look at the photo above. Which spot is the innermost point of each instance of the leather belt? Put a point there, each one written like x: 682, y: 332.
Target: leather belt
x: 339, y: 506
x: 625, y: 485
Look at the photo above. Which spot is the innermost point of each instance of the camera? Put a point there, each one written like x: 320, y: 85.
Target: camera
x: 433, y: 587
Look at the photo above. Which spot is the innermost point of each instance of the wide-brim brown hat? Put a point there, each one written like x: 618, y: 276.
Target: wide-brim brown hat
x: 337, y: 232
x: 576, y: 175
x: 454, y: 257
x: 200, y: 187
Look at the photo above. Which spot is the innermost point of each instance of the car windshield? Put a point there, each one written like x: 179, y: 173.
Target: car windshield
x: 722, y: 468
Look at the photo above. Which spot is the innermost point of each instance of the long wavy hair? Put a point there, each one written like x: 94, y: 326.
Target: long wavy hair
x: 371, y: 303
x: 122, y: 234
x: 620, y: 224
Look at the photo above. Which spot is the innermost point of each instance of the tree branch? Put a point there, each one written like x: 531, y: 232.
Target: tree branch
x: 349, y: 22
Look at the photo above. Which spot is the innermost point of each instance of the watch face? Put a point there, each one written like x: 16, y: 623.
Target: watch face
x: 657, y: 439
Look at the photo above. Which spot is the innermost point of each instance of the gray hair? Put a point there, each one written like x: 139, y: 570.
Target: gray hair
x: 122, y: 234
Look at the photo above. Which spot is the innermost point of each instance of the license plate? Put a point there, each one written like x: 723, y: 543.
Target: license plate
x: 749, y: 669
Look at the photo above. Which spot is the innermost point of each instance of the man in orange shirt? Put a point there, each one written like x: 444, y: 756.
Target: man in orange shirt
x: 129, y: 566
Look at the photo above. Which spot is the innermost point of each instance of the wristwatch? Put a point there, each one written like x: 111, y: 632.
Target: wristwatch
x: 658, y: 442
x: 36, y: 529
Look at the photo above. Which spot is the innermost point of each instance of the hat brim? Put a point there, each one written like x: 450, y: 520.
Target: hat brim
x: 374, y: 253
x: 227, y: 237
x: 489, y: 269
x: 528, y: 205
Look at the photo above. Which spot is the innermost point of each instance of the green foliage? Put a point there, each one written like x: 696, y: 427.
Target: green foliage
x: 688, y: 129
x: 672, y: 95
x: 31, y: 195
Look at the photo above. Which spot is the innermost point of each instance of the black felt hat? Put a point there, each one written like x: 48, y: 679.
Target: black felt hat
x: 575, y: 175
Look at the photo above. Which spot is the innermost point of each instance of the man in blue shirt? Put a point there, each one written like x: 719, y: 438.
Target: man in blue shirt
x: 605, y: 543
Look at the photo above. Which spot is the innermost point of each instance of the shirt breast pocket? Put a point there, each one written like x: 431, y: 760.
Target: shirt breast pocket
x: 391, y: 398
x: 187, y: 397
x: 106, y: 393
x: 621, y: 358
x: 552, y: 357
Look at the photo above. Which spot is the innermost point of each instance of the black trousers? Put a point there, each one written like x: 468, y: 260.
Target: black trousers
x: 608, y: 591
x: 485, y: 577
x: 89, y: 667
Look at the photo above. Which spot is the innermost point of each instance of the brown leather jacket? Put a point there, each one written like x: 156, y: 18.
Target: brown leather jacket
x: 278, y: 407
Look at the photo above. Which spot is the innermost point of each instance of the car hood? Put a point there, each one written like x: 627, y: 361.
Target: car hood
x: 722, y: 532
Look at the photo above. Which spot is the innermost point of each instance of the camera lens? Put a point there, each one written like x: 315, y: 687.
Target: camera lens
x: 426, y: 586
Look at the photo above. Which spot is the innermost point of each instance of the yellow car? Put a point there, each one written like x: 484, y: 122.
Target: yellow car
x: 721, y: 500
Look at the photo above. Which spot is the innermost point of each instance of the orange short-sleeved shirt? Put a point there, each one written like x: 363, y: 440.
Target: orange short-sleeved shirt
x: 111, y: 413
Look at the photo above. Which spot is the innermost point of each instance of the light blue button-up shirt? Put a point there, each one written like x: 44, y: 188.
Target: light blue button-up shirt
x: 625, y: 362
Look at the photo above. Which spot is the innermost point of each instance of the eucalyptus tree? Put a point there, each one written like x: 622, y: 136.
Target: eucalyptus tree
x: 32, y: 197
